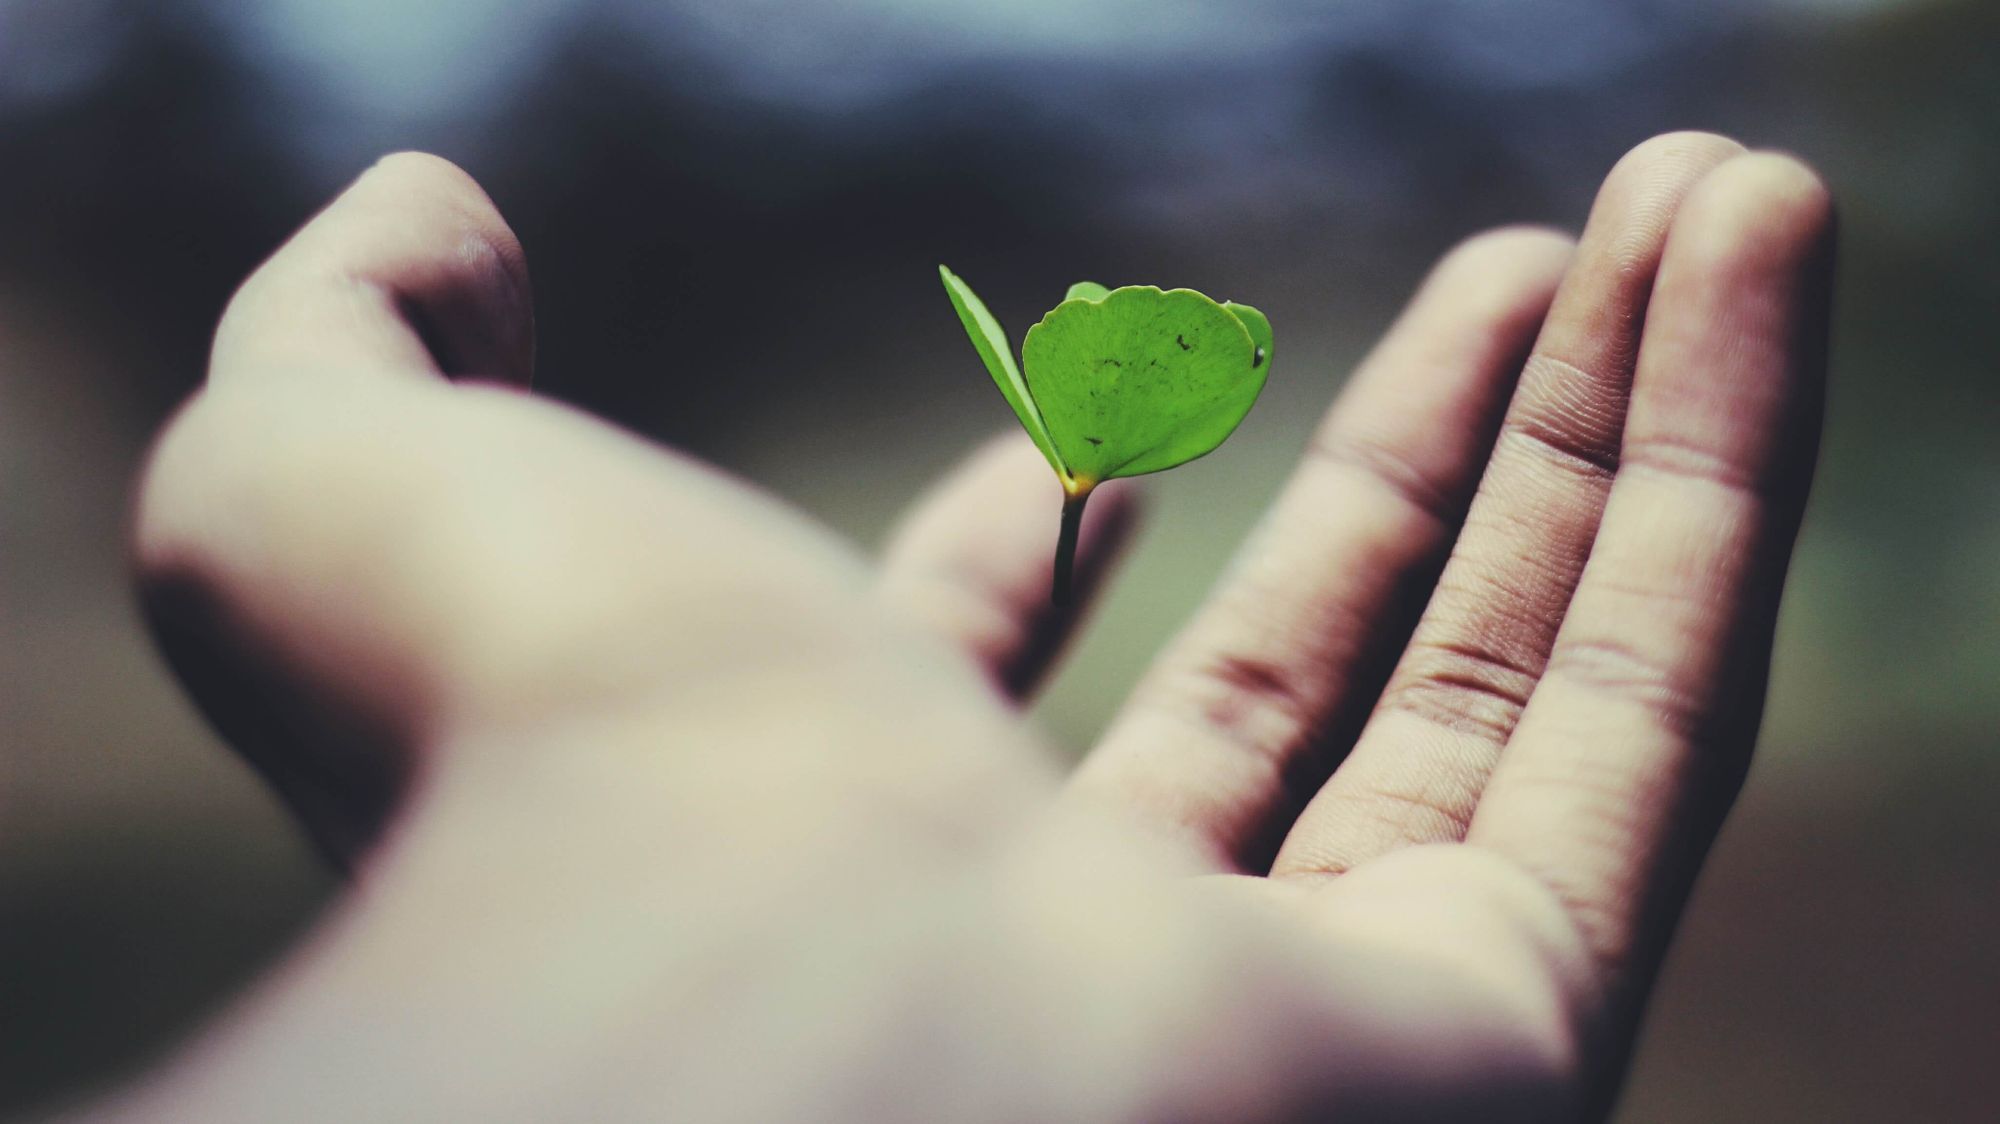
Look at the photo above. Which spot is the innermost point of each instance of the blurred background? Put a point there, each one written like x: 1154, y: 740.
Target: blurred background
x: 734, y: 212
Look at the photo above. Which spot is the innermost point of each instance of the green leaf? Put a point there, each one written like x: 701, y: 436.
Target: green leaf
x: 1122, y: 382
x: 1142, y: 380
x: 990, y: 340
x: 1259, y: 327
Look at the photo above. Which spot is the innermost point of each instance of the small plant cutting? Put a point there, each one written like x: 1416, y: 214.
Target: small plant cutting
x: 1121, y: 382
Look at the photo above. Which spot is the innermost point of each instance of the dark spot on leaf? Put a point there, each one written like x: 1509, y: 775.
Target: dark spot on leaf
x: 1113, y: 362
x: 1185, y: 345
x: 1095, y: 440
x: 1257, y: 360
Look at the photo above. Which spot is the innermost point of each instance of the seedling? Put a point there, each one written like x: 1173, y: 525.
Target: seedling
x: 1121, y: 382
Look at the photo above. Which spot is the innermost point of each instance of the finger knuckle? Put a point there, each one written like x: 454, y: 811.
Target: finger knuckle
x: 1625, y: 668
x: 1465, y: 687
x: 1252, y: 704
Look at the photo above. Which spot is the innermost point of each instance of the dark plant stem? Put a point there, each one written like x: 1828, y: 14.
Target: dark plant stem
x: 1072, y: 520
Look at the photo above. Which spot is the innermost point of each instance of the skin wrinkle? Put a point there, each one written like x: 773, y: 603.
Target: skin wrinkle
x: 1428, y: 797
x: 1610, y: 666
x: 1570, y: 415
x: 1681, y: 459
x: 1514, y: 625
x: 1463, y: 687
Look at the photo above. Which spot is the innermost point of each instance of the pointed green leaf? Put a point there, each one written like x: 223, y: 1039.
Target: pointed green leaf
x: 990, y: 340
x: 1086, y: 291
x: 1143, y: 380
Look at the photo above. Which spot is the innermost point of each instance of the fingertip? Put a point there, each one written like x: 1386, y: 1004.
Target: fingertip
x: 410, y: 166
x: 1513, y: 244
x: 1643, y: 193
x: 1768, y: 207
x: 411, y: 268
x: 438, y: 186
x: 1498, y: 271
x: 1737, y: 336
x: 1672, y: 154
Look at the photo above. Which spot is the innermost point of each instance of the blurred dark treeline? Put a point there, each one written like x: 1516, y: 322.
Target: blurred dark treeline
x: 744, y: 266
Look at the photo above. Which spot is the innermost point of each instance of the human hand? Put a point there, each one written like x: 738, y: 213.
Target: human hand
x: 662, y: 805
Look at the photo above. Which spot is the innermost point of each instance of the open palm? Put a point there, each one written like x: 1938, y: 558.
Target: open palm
x: 662, y: 805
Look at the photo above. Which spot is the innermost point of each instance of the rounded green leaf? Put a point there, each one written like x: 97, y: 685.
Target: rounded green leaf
x: 1257, y: 324
x: 1142, y: 380
x: 1086, y: 291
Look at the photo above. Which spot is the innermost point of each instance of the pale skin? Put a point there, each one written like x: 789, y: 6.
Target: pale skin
x: 662, y: 803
